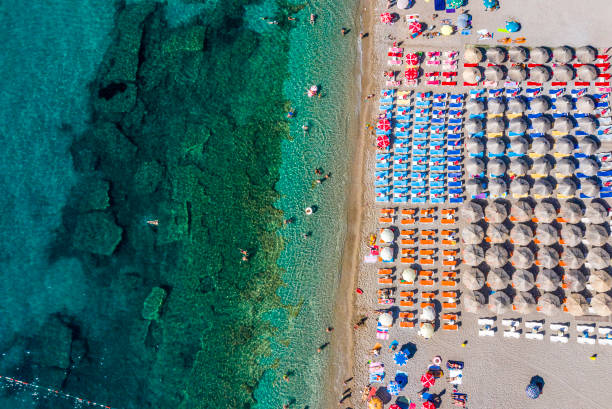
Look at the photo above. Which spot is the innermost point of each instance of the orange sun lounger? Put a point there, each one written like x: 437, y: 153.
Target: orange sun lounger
x: 385, y: 280
x: 426, y: 273
x: 385, y: 219
x: 408, y: 221
x: 404, y: 324
x: 447, y: 232
x: 448, y: 211
x: 425, y: 212
x: 408, y: 212
x: 406, y: 293
x: 406, y: 315
x: 407, y: 242
x: 407, y: 232
x: 387, y: 211
x: 426, y: 283
x: 448, y: 283
x: 427, y: 252
x: 449, y: 262
x: 449, y: 252
x: 407, y: 260
x: 408, y: 251
x: 428, y: 233
x: 449, y: 294
x: 449, y: 305
x: 385, y: 271
x: 427, y: 304
x: 447, y: 242
x: 406, y: 303
x: 427, y: 220
x: 449, y: 274
x: 428, y: 296
x: 427, y: 261
x: 427, y: 242
x: 450, y: 316
x: 447, y: 221
x: 450, y: 327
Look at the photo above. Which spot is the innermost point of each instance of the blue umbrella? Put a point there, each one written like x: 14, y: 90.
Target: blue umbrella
x: 401, y: 378
x: 400, y: 358
x: 512, y: 26
x: 393, y: 388
x: 532, y: 391
x: 489, y: 3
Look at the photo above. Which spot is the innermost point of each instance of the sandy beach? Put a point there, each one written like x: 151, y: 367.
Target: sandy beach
x: 497, y: 369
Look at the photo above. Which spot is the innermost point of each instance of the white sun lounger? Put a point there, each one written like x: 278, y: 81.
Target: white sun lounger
x: 559, y: 338
x: 590, y: 328
x: 486, y: 321
x: 534, y: 335
x: 586, y: 340
x: 513, y: 333
x: 559, y: 327
x: 536, y: 330
x: 605, y: 330
x: 536, y: 325
x: 486, y: 333
x: 510, y: 323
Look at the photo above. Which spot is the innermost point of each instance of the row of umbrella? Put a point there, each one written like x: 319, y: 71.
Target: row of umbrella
x: 517, y: 105
x: 538, y: 55
x: 542, y: 146
x: 538, y: 73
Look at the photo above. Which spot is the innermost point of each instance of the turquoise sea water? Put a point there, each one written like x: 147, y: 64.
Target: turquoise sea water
x: 115, y: 114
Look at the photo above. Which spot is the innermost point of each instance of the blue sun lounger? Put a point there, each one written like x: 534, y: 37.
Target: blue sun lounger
x: 455, y: 121
x: 400, y: 199
x: 385, y: 108
x: 403, y: 118
x: 559, y: 114
x: 382, y: 165
x: 438, y: 136
x: 580, y: 91
x: 418, y: 192
x: 454, y: 136
x: 438, y: 168
x: 382, y: 190
x: 381, y: 132
x: 418, y: 175
x: 454, y: 168
x: 419, y: 168
x: 455, y: 105
x: 439, y: 192
x: 386, y: 100
x: 456, y: 200
x: 438, y: 200
x: 383, y: 199
x: 516, y: 133
x: 437, y: 176
x: 402, y: 150
x: 381, y: 182
x: 605, y: 195
x: 438, y: 121
x: 439, y: 104
x: 437, y: 144
x: 420, y: 144
x: 536, y: 135
x: 415, y: 199
x: 439, y: 112
x: 422, y: 104
x: 400, y: 166
x: 400, y: 183
x: 421, y: 127
x: 579, y: 115
x: 404, y: 134
x: 421, y: 136
x: 422, y: 119
x: 581, y: 133
x: 437, y: 152
x: 437, y: 183
x: 420, y: 152
x: 455, y: 184
x: 418, y: 183
x: 531, y: 116
x: 604, y: 173
x: 455, y: 175
x: 579, y: 155
x: 454, y: 152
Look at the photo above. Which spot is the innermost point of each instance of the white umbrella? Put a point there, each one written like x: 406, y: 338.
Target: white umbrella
x: 573, y: 257
x: 540, y: 55
x: 563, y: 124
x: 496, y: 256
x: 589, y: 187
x: 548, y: 257
x: 566, y: 187
x: 426, y: 331
x: 474, y: 106
x: 517, y: 54
x: 472, y: 234
x: 428, y: 314
x: 571, y: 234
x: 585, y: 104
x: 587, y: 73
x: 523, y: 280
x: 496, y: 212
x: 586, y: 54
x: 496, y: 166
x: 471, y: 75
x: 495, y: 125
x: 385, y: 319
x: 547, y: 280
x: 499, y: 303
x: 472, y: 55
x: 564, y: 103
x: 521, y: 234
x: 517, y: 125
x: 576, y: 305
x: 545, y: 212
x: 386, y: 254
x: 542, y: 188
x: 596, y: 235
x: 563, y: 73
x: 519, y: 186
x: 587, y: 124
x: 521, y: 210
x: 589, y: 146
x: 517, y: 73
x: 522, y: 257
x: 524, y: 302
x: 497, y: 232
x: 541, y: 124
x: 473, y: 125
x: 404, y: 4
x: 495, y: 105
x: 563, y: 54
x: 472, y: 278
x: 571, y: 212
x: 546, y: 234
x: 574, y: 279
x: 474, y: 166
x: 474, y: 145
x: 497, y: 187
x: 493, y: 73
x: 496, y: 55
x: 596, y: 213
x: 549, y: 304
x: 387, y: 235
x: 498, y: 279
x: 473, y: 301
x: 539, y: 74
x: 516, y: 105
x: 472, y: 212
x: 409, y: 274
x: 541, y: 146
x: 518, y: 166
x: 564, y: 145
x: 474, y: 187
x: 473, y: 255
x: 602, y: 304
x: 539, y: 105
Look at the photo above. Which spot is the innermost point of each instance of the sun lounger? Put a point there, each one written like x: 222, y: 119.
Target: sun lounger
x: 486, y: 333
x: 448, y: 283
x: 426, y: 283
x: 512, y: 333
x: 406, y: 303
x: 450, y: 327
x: 585, y: 340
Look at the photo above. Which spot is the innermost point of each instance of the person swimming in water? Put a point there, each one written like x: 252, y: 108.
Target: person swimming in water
x: 291, y: 113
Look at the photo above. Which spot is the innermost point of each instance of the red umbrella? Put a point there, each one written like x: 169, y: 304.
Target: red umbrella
x: 428, y: 380
x: 383, y: 142
x: 428, y: 405
x: 412, y: 59
x: 386, y: 18
x: 411, y: 73
x: 384, y: 125
x: 414, y: 27
x: 394, y: 406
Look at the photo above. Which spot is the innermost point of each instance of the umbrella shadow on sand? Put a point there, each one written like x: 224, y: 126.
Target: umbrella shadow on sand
x: 409, y: 348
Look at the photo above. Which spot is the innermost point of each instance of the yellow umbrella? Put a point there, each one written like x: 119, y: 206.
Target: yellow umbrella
x: 446, y: 30
x: 375, y: 403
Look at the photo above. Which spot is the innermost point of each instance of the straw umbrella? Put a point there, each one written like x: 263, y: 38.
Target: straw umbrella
x: 497, y: 187
x: 473, y: 125
x: 496, y: 55
x: 495, y: 212
x: 548, y: 257
x: 596, y: 213
x: 473, y: 278
x: 472, y: 234
x: 385, y: 319
x: 523, y: 280
x: 546, y: 234
x: 518, y: 167
x: 495, y: 146
x: 571, y: 212
x: 563, y: 124
x: 494, y: 73
x: 540, y: 55
x: 545, y: 212
x: 521, y: 234
x: 541, y: 166
x: 563, y: 54
x: 497, y: 232
x: 539, y: 74
x: 571, y: 234
x: 549, y: 304
x: 516, y: 105
x: 598, y: 258
x: 543, y: 188
x: 522, y: 257
x: 587, y: 73
x: 471, y: 75
x: 499, y: 303
x: 564, y: 104
x: 524, y: 302
x: 496, y: 256
x: 474, y: 106
x: 586, y: 54
x: 472, y: 55
x: 587, y: 124
x: 498, y: 279
x: 472, y: 212
x: 585, y: 104
x: 517, y: 73
x: 573, y: 257
x: 566, y: 187
x: 474, y: 146
x: 517, y: 125
x: 547, y: 280
x: 495, y: 125
x: 496, y: 166
x: 596, y: 235
x: 517, y: 54
x: 577, y: 305
x: 600, y: 281
x: 474, y: 187
x: 473, y: 255
x: 564, y: 145
x: 473, y: 301
x: 602, y: 304
x: 541, y: 146
x: 589, y: 188
x: 495, y: 105
x: 588, y: 145
x: 563, y: 73
x: 588, y: 166
x: 574, y: 279
x: 519, y: 186
x: 522, y: 211
x: 541, y: 124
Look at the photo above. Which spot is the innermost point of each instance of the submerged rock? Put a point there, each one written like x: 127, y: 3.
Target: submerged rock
x: 153, y: 303
x: 97, y: 233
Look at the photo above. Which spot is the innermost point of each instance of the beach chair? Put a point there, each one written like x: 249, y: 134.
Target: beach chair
x: 448, y: 283
x: 536, y: 332
x: 606, y: 336
x: 450, y: 327
x: 560, y: 333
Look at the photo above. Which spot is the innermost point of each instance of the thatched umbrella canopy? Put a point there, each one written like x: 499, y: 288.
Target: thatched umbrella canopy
x: 499, y: 303
x: 564, y: 145
x: 496, y: 167
x: 474, y: 146
x: 541, y: 124
x: 472, y: 55
x: 474, y: 187
x: 589, y: 187
x: 573, y: 278
x: 517, y: 73
x: 577, y: 305
x: 549, y: 304
x: 602, y: 304
x: 539, y: 74
x: 563, y: 73
x: 546, y: 234
x: 472, y: 234
x: 516, y: 105
x: 473, y: 278
x: 564, y: 104
x: 474, y: 166
x: 495, y: 125
x: 523, y: 280
x: 496, y: 256
x: 521, y: 234
x: 471, y: 75
x: 517, y: 54
x: 566, y: 187
x: 571, y: 212
x: 521, y: 210
x: 600, y: 281
x: 496, y: 212
x: 495, y: 146
x: 473, y: 125
x: 475, y: 106
x: 587, y: 73
x: 498, y: 279
x: 524, y: 302
x: 596, y: 213
x: 548, y: 280
x: 473, y: 302
x: 573, y: 257
x: 598, y: 258
x: 497, y: 187
x: 586, y: 54
x: 588, y: 145
x: 587, y: 124
x: 518, y: 167
x: 540, y: 55
x: 539, y: 105
x: 518, y: 125
x: 563, y: 124
x: 541, y: 146
x: 522, y: 257
x: 545, y: 212
x: 496, y: 55
x: 472, y: 212
x: 596, y: 235
x: 519, y: 186
x: 541, y: 166
x: 542, y: 187
x: 497, y: 232
x: 494, y: 73
x: 588, y: 166
x: 571, y: 234
x: 548, y: 257
x: 495, y: 105
x: 563, y: 54
x: 585, y: 104
x: 473, y: 255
